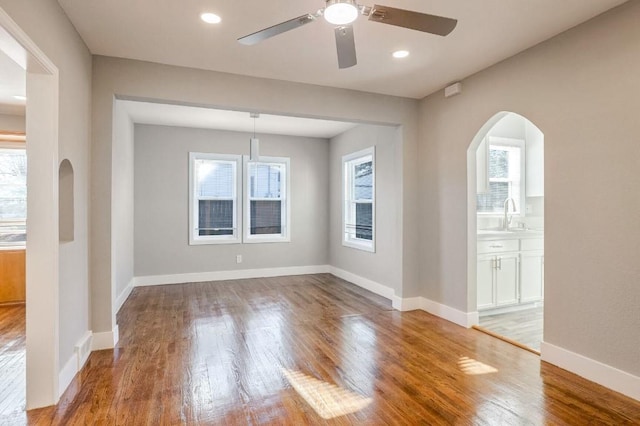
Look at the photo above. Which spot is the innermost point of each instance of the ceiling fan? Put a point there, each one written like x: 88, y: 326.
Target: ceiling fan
x: 343, y: 12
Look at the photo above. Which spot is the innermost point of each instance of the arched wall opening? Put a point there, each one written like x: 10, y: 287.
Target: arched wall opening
x: 66, y: 202
x: 529, y: 204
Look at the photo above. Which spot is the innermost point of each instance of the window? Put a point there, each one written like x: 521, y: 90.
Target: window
x: 505, y: 176
x: 13, y: 184
x: 213, y: 198
x: 13, y: 194
x: 266, y: 200
x: 358, y: 223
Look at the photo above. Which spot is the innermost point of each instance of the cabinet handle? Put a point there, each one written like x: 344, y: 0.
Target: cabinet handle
x: 500, y: 263
x: 496, y: 246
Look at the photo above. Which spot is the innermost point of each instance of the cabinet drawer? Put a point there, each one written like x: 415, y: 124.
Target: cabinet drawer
x: 532, y: 244
x: 497, y: 246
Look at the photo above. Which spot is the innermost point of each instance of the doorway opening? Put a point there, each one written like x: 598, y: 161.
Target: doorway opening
x: 506, y: 233
x: 39, y: 340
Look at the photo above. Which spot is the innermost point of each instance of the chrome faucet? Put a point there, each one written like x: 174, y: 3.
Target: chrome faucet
x: 506, y: 220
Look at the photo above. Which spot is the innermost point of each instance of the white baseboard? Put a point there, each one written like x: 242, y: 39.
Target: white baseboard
x: 602, y: 374
x: 124, y: 295
x: 83, y: 349
x: 448, y: 313
x: 367, y: 284
x: 68, y: 372
x: 464, y: 319
x: 228, y: 275
x: 105, y: 339
x: 407, y: 304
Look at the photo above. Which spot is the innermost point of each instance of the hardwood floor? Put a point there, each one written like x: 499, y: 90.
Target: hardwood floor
x: 524, y: 326
x: 12, y: 361
x: 314, y: 350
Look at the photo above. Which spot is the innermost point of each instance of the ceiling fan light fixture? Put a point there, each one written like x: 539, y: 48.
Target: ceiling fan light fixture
x: 341, y: 12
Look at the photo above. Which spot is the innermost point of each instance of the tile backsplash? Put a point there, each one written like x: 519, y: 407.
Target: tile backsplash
x: 533, y: 219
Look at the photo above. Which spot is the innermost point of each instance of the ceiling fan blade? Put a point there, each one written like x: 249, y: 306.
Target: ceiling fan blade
x: 346, y: 46
x: 280, y: 28
x: 413, y: 20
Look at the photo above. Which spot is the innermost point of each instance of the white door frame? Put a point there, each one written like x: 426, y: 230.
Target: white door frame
x: 42, y: 334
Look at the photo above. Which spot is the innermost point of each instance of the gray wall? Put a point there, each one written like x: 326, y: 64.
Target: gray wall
x: 385, y: 265
x: 122, y: 207
x: 582, y: 90
x: 12, y: 123
x: 47, y: 25
x: 162, y: 202
x: 125, y: 78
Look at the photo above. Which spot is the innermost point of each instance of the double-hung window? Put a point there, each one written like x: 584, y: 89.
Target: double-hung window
x: 505, y: 176
x: 213, y: 198
x: 358, y: 219
x: 267, y: 212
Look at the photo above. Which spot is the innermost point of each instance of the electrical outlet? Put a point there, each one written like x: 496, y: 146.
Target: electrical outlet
x: 239, y: 258
x: 529, y: 208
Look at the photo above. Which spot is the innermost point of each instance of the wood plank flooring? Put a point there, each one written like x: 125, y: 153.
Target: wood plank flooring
x: 524, y: 326
x: 12, y: 361
x: 314, y: 350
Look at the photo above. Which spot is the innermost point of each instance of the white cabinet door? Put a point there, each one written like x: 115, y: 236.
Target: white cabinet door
x: 531, y: 277
x: 507, y: 279
x: 485, y: 282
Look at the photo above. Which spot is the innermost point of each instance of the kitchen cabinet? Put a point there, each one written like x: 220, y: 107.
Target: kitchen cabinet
x: 485, y: 292
x: 497, y: 273
x: 12, y: 276
x: 532, y: 276
x: 507, y: 282
x: 510, y: 272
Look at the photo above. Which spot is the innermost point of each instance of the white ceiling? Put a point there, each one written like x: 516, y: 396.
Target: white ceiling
x: 170, y: 32
x: 12, y: 82
x: 208, y: 118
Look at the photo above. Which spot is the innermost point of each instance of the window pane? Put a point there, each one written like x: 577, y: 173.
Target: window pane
x: 265, y: 180
x: 215, y: 178
x: 13, y: 184
x: 493, y: 201
x: 266, y: 217
x: 364, y: 221
x: 363, y: 181
x: 215, y: 217
x: 498, y: 163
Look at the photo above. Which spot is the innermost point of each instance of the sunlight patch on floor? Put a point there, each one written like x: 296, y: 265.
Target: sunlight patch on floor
x: 326, y: 399
x: 473, y: 368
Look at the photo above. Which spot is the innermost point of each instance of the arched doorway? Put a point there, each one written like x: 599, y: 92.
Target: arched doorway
x: 505, y: 164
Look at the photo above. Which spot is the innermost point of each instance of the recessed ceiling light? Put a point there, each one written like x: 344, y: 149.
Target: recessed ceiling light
x: 20, y: 97
x: 210, y: 18
x: 400, y: 53
x: 341, y: 12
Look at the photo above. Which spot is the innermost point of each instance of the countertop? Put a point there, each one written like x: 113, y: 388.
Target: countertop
x: 493, y: 234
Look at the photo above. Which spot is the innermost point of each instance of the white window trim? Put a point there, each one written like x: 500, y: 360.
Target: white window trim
x: 195, y: 239
x: 355, y: 243
x: 285, y: 237
x: 519, y: 143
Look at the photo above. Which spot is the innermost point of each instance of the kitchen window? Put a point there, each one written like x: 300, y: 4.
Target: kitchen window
x: 213, y: 198
x: 267, y: 212
x: 505, y: 174
x: 358, y: 219
x: 13, y: 194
